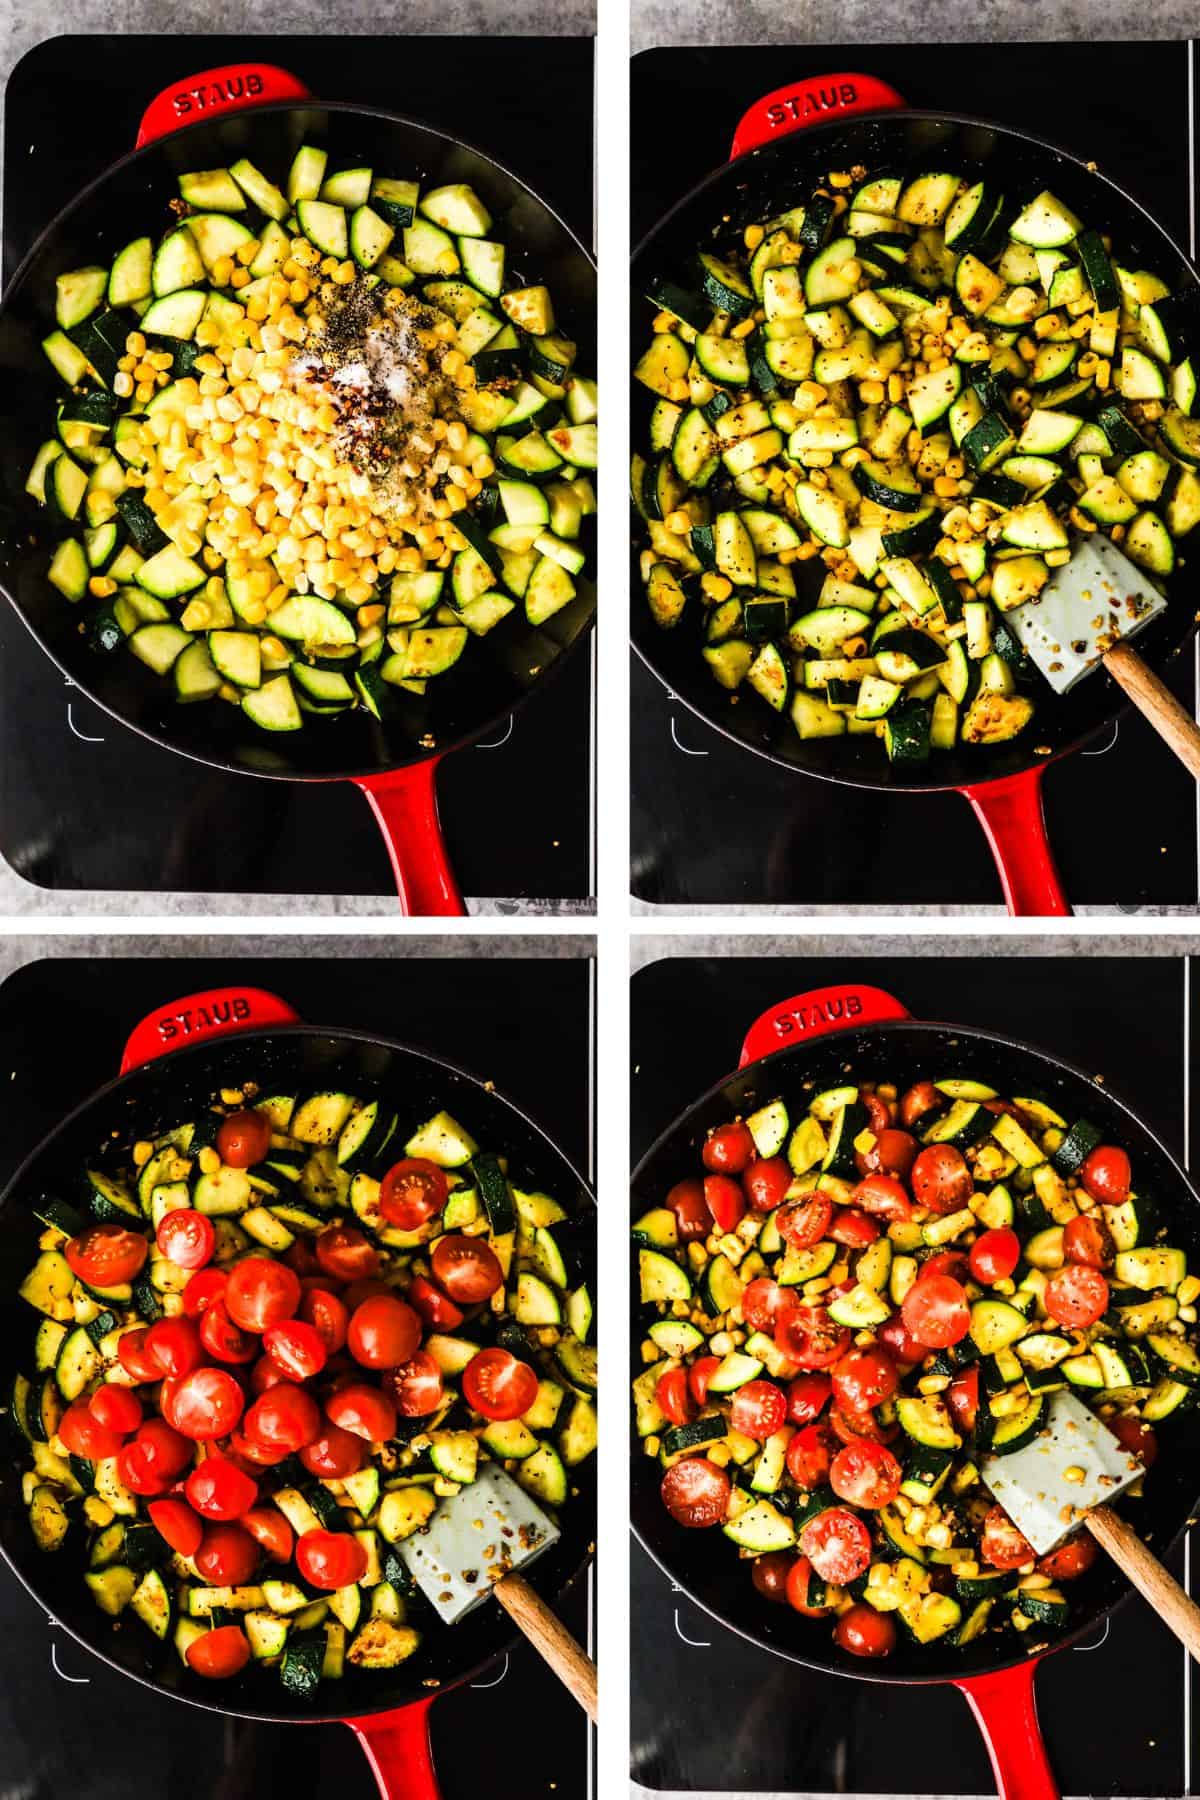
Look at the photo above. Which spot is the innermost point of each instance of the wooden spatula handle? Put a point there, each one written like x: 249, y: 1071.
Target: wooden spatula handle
x: 1179, y: 1613
x: 1155, y: 701
x: 550, y: 1638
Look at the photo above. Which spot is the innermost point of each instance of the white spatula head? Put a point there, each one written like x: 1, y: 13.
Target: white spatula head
x: 1089, y: 604
x: 487, y: 1530
x: 1073, y: 1464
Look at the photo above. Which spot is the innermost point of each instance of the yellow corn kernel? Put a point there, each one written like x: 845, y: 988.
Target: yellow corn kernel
x: 222, y: 271
x: 753, y: 236
x: 945, y: 487
x: 123, y: 384
x: 871, y: 393
x: 101, y: 586
x: 142, y: 1152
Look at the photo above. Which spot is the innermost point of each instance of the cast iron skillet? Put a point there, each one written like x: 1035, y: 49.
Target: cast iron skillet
x: 873, y: 1038
x: 389, y: 760
x: 1002, y: 783
x: 387, y: 1709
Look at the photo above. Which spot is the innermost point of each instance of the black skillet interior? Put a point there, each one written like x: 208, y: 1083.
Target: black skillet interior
x: 165, y: 1094
x: 133, y: 196
x: 903, y: 1052
x: 782, y: 175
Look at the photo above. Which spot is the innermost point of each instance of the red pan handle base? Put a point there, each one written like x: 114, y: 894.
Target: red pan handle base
x: 396, y: 1745
x: 1014, y: 823
x: 214, y: 1013
x: 813, y: 101
x: 1005, y: 1709
x: 231, y: 88
x: 816, y: 1014
x: 404, y: 802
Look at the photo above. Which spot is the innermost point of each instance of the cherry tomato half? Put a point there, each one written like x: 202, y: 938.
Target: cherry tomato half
x: 1106, y: 1174
x: 175, y: 1346
x: 864, y: 1632
x: 106, y: 1255
x: 692, y: 1217
x: 673, y: 1394
x: 766, y: 1182
x: 136, y: 1471
x: 726, y: 1201
x: 838, y: 1545
x: 699, y: 1375
x: 810, y: 1454
x: 186, y: 1238
x: 218, y: 1489
x: 321, y: 1308
x: 1001, y: 1544
x: 864, y: 1378
x: 116, y: 1408
x: 244, y: 1138
x: 467, y: 1268
x: 760, y: 1302
x: 759, y: 1410
x: 219, y: 1654
x: 865, y: 1474
x: 499, y: 1386
x: 994, y: 1255
x: 227, y: 1557
x: 260, y: 1292
x: 852, y: 1423
x: 807, y: 1398
x: 223, y: 1339
x: 286, y: 1417
x: 1076, y: 1295
x: 412, y: 1192
x: 383, y: 1332
x: 807, y: 1336
x: 364, y: 1411
x: 696, y: 1493
x: 346, y: 1253
x: 85, y: 1435
x: 166, y: 1450
x: 900, y: 1341
x: 853, y: 1228
x: 1087, y: 1239
x: 177, y: 1525
x: 799, y: 1584
x: 941, y: 1179
x: 770, y: 1573
x: 205, y: 1286
x: 728, y: 1150
x: 417, y: 1386
x: 206, y: 1404
x: 1138, y: 1438
x: 803, y: 1223
x: 962, y: 1397
x: 134, y: 1357
x: 436, y: 1309
x: 270, y: 1531
x: 334, y: 1454
x: 919, y: 1100
x: 297, y: 1349
x: 893, y: 1153
x: 330, y: 1559
x: 884, y: 1197
x: 935, y: 1311
x: 1070, y: 1560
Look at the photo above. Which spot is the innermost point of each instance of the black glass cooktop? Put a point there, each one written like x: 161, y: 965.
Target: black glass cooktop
x: 1117, y: 1711
x: 69, y: 1724
x: 714, y: 824
x: 86, y: 804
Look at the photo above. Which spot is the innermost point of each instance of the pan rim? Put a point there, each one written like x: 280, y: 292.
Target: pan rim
x: 20, y: 278
x: 876, y: 1671
x: 106, y: 1092
x: 1120, y: 704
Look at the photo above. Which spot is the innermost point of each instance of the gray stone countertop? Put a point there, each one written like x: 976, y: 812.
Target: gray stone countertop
x: 24, y: 25
x: 660, y: 22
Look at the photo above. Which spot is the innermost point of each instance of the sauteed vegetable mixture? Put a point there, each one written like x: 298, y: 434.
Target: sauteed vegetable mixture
x: 879, y: 419
x: 314, y: 439
x: 272, y: 1339
x: 860, y: 1294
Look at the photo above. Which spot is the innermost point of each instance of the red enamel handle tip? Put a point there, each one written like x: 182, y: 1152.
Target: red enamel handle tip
x: 231, y: 88
x: 396, y: 1745
x: 214, y: 1013
x: 818, y: 1013
x: 404, y: 802
x: 1005, y: 1709
x: 813, y: 101
x: 1014, y: 824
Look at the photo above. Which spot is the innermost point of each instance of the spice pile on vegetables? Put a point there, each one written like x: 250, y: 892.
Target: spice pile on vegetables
x: 273, y: 1338
x: 881, y: 421
x: 856, y: 1298
x: 304, y: 460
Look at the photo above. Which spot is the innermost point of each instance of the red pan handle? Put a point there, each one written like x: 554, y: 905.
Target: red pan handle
x: 396, y: 1745
x: 816, y: 1014
x: 1005, y: 1709
x: 1014, y: 824
x: 813, y: 101
x: 404, y: 802
x: 231, y: 88
x: 214, y: 1013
